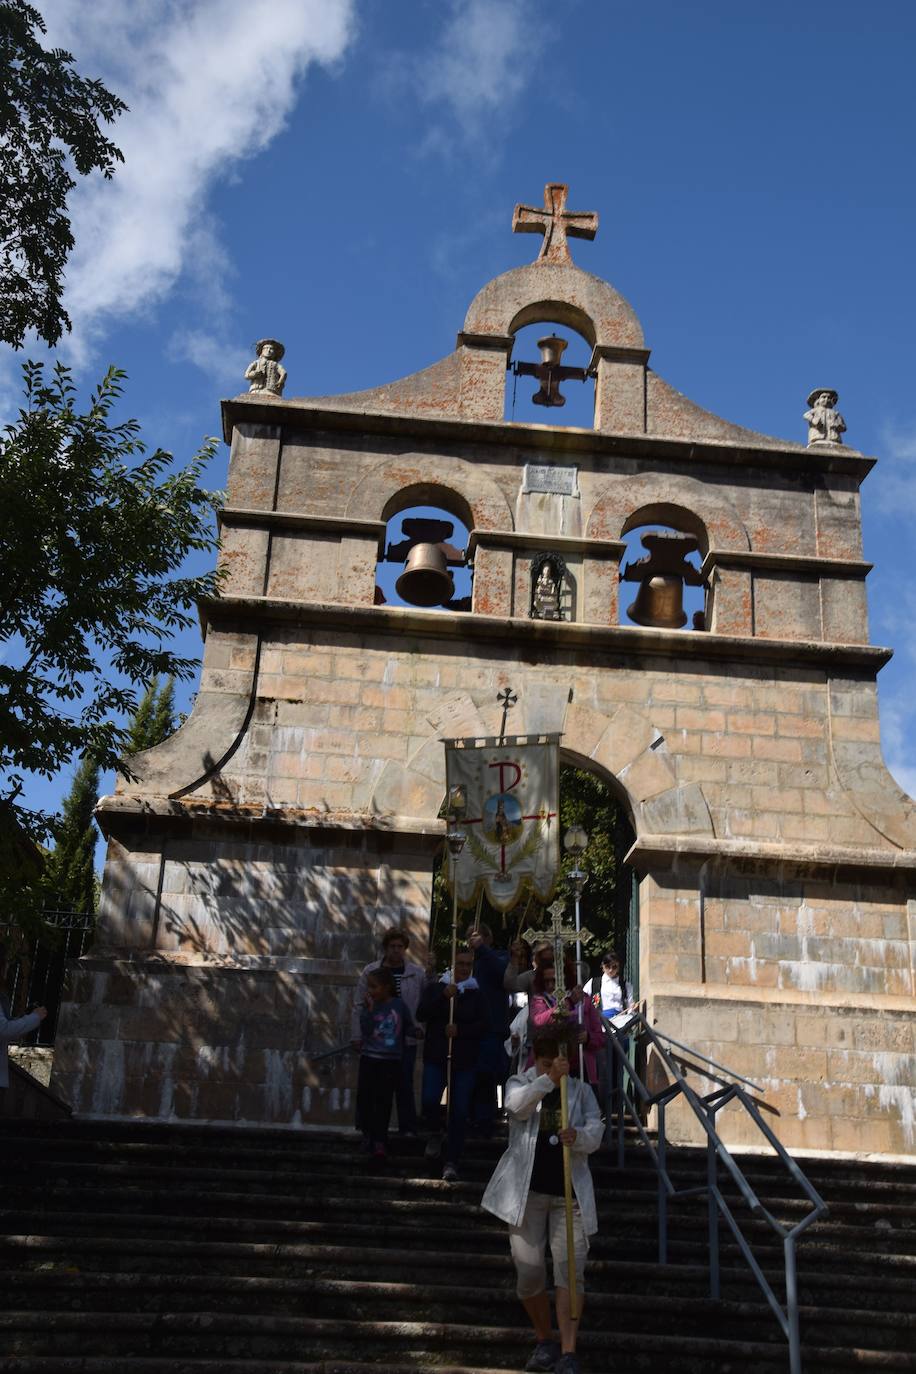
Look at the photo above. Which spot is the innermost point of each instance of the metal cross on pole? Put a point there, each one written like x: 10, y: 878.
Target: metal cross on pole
x: 555, y: 222
x: 560, y: 936
x: 507, y: 699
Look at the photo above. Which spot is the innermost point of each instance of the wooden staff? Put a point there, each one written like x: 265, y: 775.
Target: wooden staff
x: 560, y: 936
x: 455, y: 838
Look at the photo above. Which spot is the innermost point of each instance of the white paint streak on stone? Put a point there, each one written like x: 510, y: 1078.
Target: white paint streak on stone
x: 108, y: 1081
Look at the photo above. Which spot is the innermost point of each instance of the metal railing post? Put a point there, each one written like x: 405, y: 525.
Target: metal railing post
x: 619, y: 1078
x: 661, y: 1145
x: 712, y: 1203
x: 795, y: 1365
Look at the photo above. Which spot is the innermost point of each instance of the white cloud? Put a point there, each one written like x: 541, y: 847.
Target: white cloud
x: 483, y: 58
x: 208, y: 84
x: 893, y: 487
x: 221, y: 360
x: 898, y: 735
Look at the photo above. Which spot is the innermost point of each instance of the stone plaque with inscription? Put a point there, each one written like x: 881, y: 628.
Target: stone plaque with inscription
x: 554, y: 480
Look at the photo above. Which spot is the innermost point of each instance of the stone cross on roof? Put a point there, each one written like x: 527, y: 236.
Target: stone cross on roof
x: 555, y: 222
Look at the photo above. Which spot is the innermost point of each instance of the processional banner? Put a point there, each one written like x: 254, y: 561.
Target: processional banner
x: 510, y: 797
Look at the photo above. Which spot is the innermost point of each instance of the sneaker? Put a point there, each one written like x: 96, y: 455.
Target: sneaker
x: 433, y: 1147
x: 450, y: 1174
x: 567, y: 1364
x: 544, y: 1356
x: 378, y: 1158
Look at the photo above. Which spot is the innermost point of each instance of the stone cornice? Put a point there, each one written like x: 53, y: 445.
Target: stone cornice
x: 785, y: 562
x: 562, y: 544
x: 303, y: 415
x: 781, y: 997
x: 120, y: 810
x: 612, y: 640
x: 649, y: 853
x: 327, y: 524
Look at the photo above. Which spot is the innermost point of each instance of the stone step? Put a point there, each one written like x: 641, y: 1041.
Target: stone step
x: 444, y: 1303
x: 211, y: 1335
x: 891, y: 1286
x: 469, y: 1226
x: 28, y: 1176
x: 247, y: 1190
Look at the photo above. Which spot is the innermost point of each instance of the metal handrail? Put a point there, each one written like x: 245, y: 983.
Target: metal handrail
x: 629, y: 1087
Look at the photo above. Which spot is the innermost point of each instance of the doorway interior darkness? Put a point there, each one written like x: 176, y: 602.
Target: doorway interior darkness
x: 610, y: 898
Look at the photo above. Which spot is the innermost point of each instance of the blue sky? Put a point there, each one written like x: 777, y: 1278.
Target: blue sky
x: 341, y: 174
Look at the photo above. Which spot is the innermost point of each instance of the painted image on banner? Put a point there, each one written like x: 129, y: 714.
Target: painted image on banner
x: 511, y: 820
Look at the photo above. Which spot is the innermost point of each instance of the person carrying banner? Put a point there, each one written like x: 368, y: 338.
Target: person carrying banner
x: 492, y: 1063
x: 527, y: 1192
x: 464, y: 1029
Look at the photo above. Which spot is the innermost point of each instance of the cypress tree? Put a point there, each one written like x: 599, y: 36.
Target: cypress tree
x: 163, y: 723
x: 69, y: 877
x: 141, y: 726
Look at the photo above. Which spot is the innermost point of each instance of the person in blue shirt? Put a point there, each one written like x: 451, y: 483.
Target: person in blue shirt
x: 385, y: 1023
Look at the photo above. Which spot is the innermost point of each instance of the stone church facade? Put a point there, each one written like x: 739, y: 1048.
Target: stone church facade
x: 260, y: 850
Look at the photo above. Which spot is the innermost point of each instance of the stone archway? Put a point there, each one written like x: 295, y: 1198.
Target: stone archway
x: 624, y: 744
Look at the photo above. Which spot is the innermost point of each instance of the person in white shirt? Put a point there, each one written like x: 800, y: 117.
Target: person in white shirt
x: 609, y: 995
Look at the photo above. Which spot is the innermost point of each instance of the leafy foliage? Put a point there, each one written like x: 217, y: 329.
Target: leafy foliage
x: 92, y: 533
x: 69, y: 880
x: 50, y: 120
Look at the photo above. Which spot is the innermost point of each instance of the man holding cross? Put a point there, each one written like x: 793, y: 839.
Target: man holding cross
x: 542, y: 1185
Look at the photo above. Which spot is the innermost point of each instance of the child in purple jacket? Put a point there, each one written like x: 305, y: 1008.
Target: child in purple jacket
x: 384, y: 1023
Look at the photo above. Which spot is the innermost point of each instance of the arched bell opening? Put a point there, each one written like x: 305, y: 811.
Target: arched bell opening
x: 661, y: 584
x: 424, y: 562
x: 548, y: 382
x: 609, y: 904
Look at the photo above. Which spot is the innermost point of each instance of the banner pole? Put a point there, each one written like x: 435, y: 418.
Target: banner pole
x: 451, y: 1010
x: 568, y: 1196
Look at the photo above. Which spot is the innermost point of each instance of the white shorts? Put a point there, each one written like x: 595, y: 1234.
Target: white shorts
x: 545, y: 1217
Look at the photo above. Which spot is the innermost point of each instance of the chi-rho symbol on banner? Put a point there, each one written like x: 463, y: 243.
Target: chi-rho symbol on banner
x: 511, y: 817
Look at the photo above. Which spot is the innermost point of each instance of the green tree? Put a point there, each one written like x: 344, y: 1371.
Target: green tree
x: 69, y: 882
x: 154, y: 719
x: 93, y: 532
x: 50, y: 119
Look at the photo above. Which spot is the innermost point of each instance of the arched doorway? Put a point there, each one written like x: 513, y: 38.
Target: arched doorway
x: 610, y: 897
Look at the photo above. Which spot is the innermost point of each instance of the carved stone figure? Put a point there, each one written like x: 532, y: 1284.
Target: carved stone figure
x: 545, y: 599
x: 825, y: 425
x: 266, y: 373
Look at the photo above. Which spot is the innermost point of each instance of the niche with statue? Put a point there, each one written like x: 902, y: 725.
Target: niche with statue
x: 550, y: 588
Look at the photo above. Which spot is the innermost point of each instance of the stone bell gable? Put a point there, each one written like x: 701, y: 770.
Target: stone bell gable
x: 258, y: 853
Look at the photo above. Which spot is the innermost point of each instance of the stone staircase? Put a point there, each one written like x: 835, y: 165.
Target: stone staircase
x: 147, y: 1249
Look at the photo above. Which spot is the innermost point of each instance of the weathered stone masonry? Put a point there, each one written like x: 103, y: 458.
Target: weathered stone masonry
x: 295, y: 813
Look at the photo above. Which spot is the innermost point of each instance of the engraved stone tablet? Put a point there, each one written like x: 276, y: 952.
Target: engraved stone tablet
x: 557, y: 481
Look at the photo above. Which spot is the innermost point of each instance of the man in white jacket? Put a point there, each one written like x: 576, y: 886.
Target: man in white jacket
x: 12, y: 1029
x: 526, y: 1191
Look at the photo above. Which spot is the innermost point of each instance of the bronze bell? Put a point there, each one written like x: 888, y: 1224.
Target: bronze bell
x: 661, y: 576
x: 660, y: 603
x: 425, y: 580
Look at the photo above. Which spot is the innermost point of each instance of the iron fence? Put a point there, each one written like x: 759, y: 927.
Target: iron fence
x: 38, y: 976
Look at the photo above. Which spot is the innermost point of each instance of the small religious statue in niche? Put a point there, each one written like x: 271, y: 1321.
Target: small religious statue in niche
x: 266, y: 372
x: 547, y: 574
x: 825, y: 425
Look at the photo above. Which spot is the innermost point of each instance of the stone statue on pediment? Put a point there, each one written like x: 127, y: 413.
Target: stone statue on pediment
x: 825, y: 424
x: 266, y: 372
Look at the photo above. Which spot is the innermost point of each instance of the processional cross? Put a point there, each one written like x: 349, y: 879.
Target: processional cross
x: 559, y: 936
x: 555, y: 222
